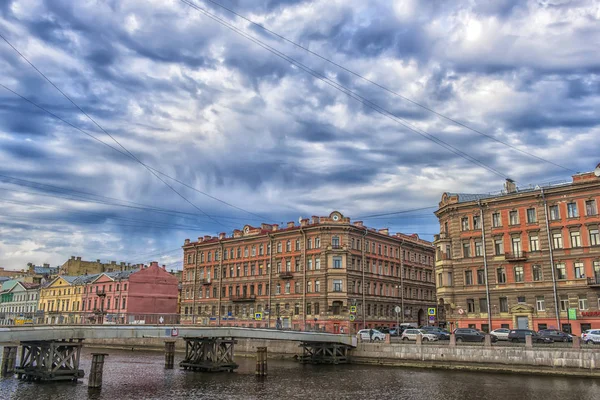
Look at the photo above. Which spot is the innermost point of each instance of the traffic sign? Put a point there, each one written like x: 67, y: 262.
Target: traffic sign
x: 352, y: 317
x: 431, y: 311
x: 397, y: 309
x: 352, y: 309
x: 572, y: 314
x: 431, y: 318
x: 258, y: 316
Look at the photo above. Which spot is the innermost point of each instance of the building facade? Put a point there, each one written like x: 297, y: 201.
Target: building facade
x: 325, y: 273
x: 18, y: 304
x: 61, y: 299
x: 523, y: 258
x: 76, y: 266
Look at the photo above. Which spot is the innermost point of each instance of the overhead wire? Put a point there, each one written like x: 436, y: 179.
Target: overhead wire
x: 356, y: 74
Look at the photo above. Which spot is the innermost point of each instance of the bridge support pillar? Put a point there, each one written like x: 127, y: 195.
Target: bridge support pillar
x: 50, y: 360
x: 209, y: 354
x: 169, y: 354
x: 95, y: 380
x: 324, y: 353
x: 9, y: 360
x: 261, y: 361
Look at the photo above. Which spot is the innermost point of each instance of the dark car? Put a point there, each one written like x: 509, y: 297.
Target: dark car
x: 471, y: 335
x: 440, y: 333
x: 518, y: 335
x: 555, y: 335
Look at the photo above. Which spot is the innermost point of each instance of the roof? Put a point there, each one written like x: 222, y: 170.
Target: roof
x: 466, y: 197
x: 45, y: 270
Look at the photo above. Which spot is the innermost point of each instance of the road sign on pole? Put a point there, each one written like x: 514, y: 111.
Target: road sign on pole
x: 431, y: 311
x: 352, y: 317
x: 352, y: 309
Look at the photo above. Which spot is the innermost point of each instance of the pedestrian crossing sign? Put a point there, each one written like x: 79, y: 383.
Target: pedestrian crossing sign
x: 431, y: 311
x: 352, y: 309
x: 258, y: 316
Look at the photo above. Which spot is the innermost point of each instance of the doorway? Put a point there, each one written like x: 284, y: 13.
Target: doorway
x: 421, y: 317
x: 522, y: 323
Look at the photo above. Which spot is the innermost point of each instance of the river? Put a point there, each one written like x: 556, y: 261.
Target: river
x: 141, y: 375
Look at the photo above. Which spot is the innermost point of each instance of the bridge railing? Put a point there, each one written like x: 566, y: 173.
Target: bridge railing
x: 86, y: 318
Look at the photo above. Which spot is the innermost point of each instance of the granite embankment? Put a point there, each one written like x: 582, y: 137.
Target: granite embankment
x: 537, y: 360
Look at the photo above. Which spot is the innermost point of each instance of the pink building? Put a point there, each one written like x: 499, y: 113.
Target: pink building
x: 144, y: 296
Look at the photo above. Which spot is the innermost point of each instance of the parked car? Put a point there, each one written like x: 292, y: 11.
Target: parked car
x: 384, y: 329
x: 471, y: 335
x: 555, y: 335
x: 364, y: 335
x: 518, y: 335
x: 592, y: 336
x: 500, y: 333
x: 440, y: 333
x: 584, y: 333
x: 411, y: 334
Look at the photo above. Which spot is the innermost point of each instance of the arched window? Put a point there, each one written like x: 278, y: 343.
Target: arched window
x: 288, y: 246
x: 246, y: 251
x: 261, y: 250
x: 253, y: 251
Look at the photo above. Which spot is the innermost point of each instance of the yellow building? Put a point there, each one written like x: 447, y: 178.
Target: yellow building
x: 60, y: 300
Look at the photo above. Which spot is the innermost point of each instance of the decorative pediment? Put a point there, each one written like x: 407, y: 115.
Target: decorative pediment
x: 521, y: 308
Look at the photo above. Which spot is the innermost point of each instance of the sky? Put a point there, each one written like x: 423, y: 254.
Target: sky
x: 462, y: 95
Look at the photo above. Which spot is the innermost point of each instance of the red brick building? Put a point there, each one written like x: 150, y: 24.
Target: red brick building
x: 521, y: 258
x: 307, y: 276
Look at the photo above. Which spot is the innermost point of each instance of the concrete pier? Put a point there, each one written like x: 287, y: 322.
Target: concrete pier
x: 261, y: 361
x: 95, y: 380
x: 169, y: 354
x: 9, y: 360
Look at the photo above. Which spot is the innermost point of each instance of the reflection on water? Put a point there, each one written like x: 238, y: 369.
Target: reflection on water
x: 141, y: 375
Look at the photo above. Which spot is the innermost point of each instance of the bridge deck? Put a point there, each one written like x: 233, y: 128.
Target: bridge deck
x: 64, y: 332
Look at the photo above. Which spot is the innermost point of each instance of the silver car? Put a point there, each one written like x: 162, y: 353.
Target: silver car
x: 591, y: 336
x: 411, y: 334
x: 501, y: 333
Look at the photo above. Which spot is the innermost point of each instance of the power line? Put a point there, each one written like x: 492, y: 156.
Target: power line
x: 397, y: 212
x: 349, y: 92
x: 385, y: 88
x: 151, y: 170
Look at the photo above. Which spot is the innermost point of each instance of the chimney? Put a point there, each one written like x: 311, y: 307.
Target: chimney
x: 98, y: 261
x: 207, y: 237
x: 266, y: 227
x: 384, y: 231
x: 164, y: 267
x: 275, y: 227
x: 358, y: 223
x: 290, y: 224
x: 154, y: 264
x: 78, y: 258
x: 510, y: 186
x: 200, y: 239
x: 46, y: 265
x: 314, y: 220
x: 222, y: 235
x: 187, y: 241
x: 304, y: 221
x: 72, y: 257
x: 113, y: 262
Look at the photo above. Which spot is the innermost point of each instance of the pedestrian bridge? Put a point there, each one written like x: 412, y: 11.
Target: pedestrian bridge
x: 66, y: 332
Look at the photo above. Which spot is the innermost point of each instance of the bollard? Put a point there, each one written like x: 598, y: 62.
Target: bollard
x: 488, y: 340
x: 419, y: 339
x: 452, y: 340
x: 95, y: 380
x: 9, y: 359
x: 261, y: 361
x: 169, y: 354
x: 576, y: 342
x: 528, y: 341
x: 388, y: 339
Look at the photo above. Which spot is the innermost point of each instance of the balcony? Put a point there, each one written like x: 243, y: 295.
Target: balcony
x: 594, y: 282
x: 205, y: 281
x: 286, y: 275
x: 516, y: 256
x: 248, y: 298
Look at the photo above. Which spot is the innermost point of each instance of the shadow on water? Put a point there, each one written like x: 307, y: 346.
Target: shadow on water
x: 141, y: 375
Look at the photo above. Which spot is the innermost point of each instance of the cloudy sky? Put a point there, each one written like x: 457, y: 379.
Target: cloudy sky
x: 253, y: 135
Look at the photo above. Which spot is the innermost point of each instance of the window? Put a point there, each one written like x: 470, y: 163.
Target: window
x: 534, y: 242
x: 261, y: 250
x: 557, y: 240
x: 575, y: 239
x: 480, y: 277
x: 468, y: 277
x: 503, y: 304
x: 483, y: 305
x: 288, y: 287
x: 279, y: 247
x: 309, y: 264
x: 572, y: 210
x: 466, y: 250
x: 513, y: 217
x: 590, y: 207
x: 478, y: 249
x: 308, y: 308
x: 561, y: 271
x: 253, y: 251
x: 554, y: 213
x: 318, y: 263
x: 496, y: 222
x: 476, y: 222
x: 516, y: 246
x: 536, y: 272
x: 583, y: 303
x: 564, y: 304
x: 594, y: 237
x: 540, y: 303
x: 465, y: 223
x: 521, y: 299
x: 309, y: 287
x: 531, y: 215
x: 335, y: 242
x: 316, y: 308
x: 498, y: 247
x: 317, y: 286
x: 317, y: 242
x: 337, y: 262
x: 278, y: 288
x: 297, y: 244
x: 288, y: 246
x: 501, y: 275
x: 470, y: 305
x: 337, y: 285
x: 578, y: 269
x: 518, y: 274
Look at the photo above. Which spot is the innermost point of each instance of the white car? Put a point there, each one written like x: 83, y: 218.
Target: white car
x: 365, y: 336
x: 501, y: 333
x: 411, y: 334
x: 591, y: 336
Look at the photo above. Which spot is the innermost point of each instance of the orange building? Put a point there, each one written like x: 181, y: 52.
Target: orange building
x: 308, y: 276
x: 522, y: 258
